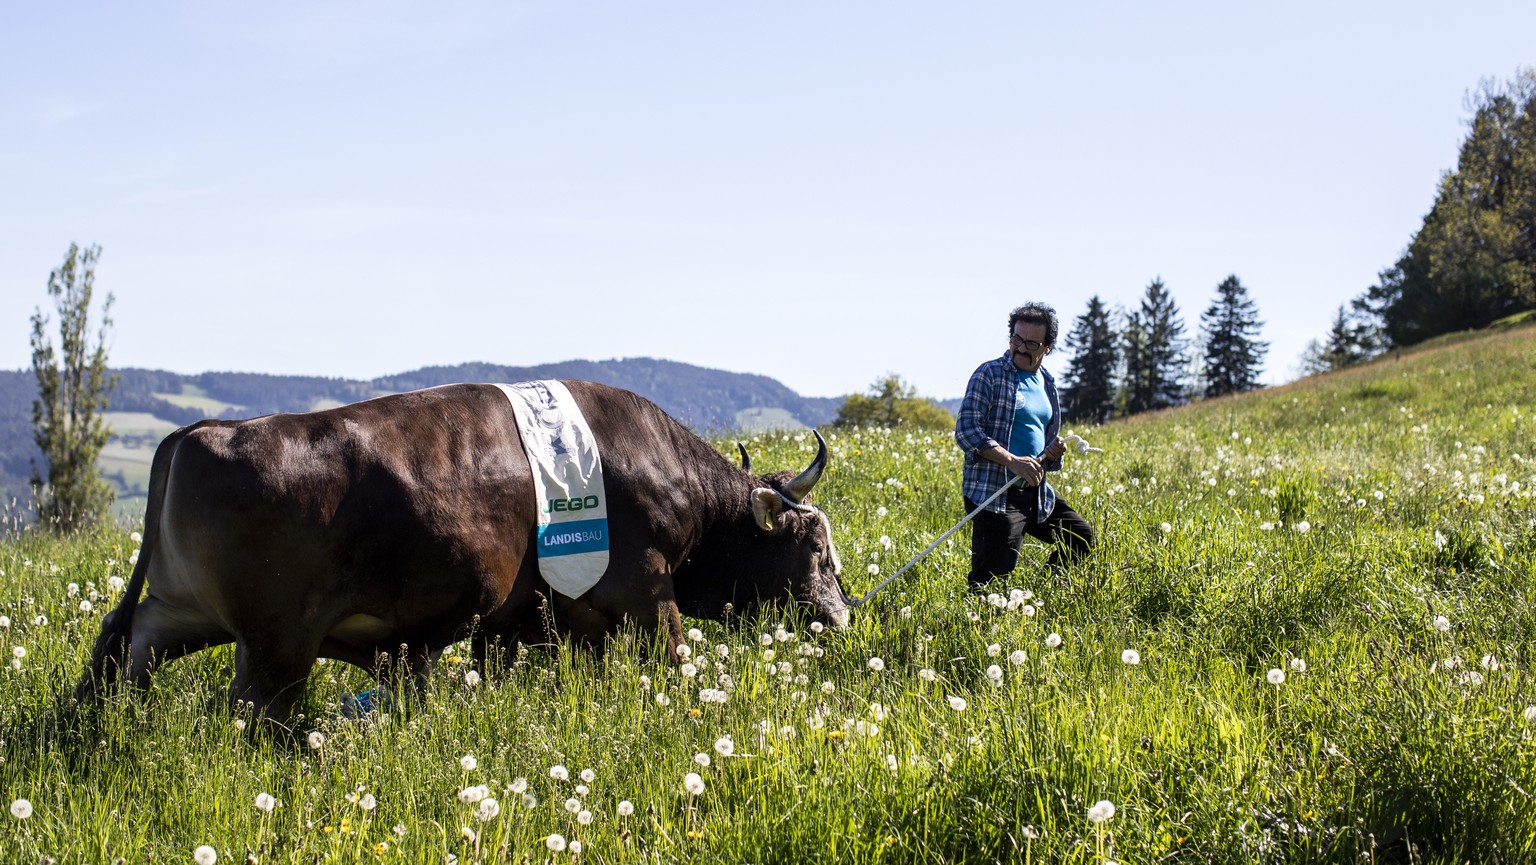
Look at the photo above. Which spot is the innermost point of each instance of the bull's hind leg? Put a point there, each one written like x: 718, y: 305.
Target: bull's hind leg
x: 271, y: 672
x: 162, y: 633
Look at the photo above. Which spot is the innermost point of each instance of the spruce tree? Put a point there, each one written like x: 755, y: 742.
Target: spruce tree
x: 1090, y: 383
x: 1348, y: 343
x: 1233, y: 353
x: 72, y: 394
x: 1155, y: 353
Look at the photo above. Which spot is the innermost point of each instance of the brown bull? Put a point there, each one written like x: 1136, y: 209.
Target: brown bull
x: 395, y: 523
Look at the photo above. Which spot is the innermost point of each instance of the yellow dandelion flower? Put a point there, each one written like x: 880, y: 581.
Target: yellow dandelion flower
x: 835, y: 734
x: 695, y: 712
x: 695, y: 835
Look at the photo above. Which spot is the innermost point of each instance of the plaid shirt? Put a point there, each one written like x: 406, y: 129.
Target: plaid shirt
x: 986, y: 420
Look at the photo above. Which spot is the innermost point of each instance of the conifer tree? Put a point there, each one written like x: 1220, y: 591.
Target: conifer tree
x: 1234, y: 355
x: 1089, y: 388
x: 1348, y: 343
x: 72, y: 393
x: 1155, y: 353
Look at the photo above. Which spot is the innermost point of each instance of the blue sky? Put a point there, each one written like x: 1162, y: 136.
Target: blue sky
x: 818, y: 192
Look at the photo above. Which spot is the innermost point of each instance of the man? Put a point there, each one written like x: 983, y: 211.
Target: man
x: 1010, y: 425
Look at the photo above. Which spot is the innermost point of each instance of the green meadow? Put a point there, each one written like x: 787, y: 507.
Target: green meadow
x: 1305, y: 636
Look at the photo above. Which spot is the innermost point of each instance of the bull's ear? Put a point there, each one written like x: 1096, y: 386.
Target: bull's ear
x: 766, y: 508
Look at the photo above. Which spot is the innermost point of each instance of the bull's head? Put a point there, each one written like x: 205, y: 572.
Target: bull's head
x: 805, y: 537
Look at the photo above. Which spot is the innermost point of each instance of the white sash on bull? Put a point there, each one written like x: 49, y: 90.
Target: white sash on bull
x: 568, y: 485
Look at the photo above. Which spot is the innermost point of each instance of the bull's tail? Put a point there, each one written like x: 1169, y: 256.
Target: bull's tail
x: 109, y: 659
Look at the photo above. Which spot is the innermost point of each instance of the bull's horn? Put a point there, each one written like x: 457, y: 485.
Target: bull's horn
x: 797, y: 489
x: 746, y: 461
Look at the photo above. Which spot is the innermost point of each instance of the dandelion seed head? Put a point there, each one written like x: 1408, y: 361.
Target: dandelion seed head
x: 994, y: 650
x: 1275, y: 676
x: 559, y: 772
x: 584, y: 817
x: 1017, y: 657
x: 695, y: 634
x: 555, y: 842
x: 1053, y: 640
x: 688, y: 671
x: 316, y: 739
x: 1130, y: 657
x: 468, y: 762
x: 472, y: 679
x: 684, y: 651
x: 472, y: 794
x: 957, y: 703
x: 626, y: 808
x: 876, y: 664
x: 21, y: 809
x: 265, y: 802
x: 1298, y: 665
x: 572, y: 805
x: 927, y: 675
x: 817, y: 627
x: 724, y: 746
x: 1101, y: 811
x: 1441, y: 623
x: 588, y: 775
x: 205, y: 855
x: 995, y: 673
x: 693, y: 783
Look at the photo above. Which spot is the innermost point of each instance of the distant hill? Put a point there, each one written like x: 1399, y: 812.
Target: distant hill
x: 147, y: 404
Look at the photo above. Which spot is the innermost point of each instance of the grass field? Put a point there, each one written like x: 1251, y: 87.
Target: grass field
x: 1306, y: 636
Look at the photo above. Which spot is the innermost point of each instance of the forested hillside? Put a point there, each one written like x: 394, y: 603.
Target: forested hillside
x: 708, y: 400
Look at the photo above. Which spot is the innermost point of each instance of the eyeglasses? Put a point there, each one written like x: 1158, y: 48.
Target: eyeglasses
x: 1026, y: 344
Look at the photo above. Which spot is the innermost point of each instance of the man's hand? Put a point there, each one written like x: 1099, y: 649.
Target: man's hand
x: 1057, y: 449
x: 1029, y: 469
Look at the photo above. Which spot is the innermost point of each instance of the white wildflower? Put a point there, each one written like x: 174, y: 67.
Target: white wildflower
x: 1101, y: 811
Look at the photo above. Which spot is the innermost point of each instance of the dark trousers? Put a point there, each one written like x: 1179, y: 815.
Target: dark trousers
x: 996, y: 538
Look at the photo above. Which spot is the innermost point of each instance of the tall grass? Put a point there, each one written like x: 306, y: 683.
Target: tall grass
x: 1369, y: 536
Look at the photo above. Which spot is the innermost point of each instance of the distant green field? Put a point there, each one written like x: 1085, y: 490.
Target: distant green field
x: 126, y: 458
x: 192, y: 396
x: 138, y: 423
x: 766, y: 419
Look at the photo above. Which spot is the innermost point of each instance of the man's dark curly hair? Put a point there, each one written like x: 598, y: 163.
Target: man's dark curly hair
x: 1035, y: 313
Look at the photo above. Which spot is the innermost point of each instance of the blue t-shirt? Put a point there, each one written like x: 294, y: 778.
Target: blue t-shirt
x: 1031, y: 415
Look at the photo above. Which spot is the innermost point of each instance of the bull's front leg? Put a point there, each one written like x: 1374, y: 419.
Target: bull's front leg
x: 645, y: 598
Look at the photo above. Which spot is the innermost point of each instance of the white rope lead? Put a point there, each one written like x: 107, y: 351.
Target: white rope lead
x: 1077, y: 442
